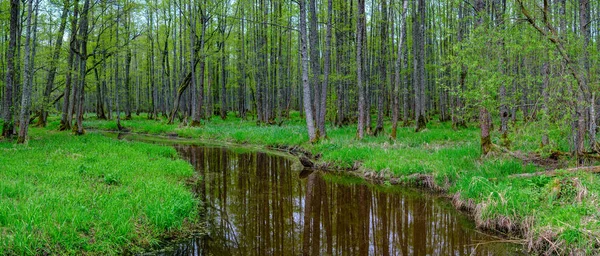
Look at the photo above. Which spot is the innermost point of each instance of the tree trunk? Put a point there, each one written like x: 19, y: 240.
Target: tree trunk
x: 242, y: 68
x: 485, y: 120
x: 326, y: 66
x: 27, y: 86
x: 419, y: 78
x: 545, y: 96
x: 315, y: 63
x: 83, y: 34
x: 65, y: 122
x: 359, y: 69
x: 399, y: 69
x: 43, y: 120
x: 117, y: 75
x: 128, y: 85
x: 10, y: 78
x: 223, y: 93
x: 584, y: 23
x: 305, y: 85
x: 382, y: 67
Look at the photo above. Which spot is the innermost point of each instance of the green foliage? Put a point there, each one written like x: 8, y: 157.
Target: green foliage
x: 89, y: 194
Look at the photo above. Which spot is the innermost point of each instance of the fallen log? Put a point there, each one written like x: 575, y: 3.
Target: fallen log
x: 590, y: 169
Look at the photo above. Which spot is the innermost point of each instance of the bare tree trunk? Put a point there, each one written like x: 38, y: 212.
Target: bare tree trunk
x: 117, y: 75
x: 67, y: 108
x: 305, y: 85
x: 27, y: 86
x: 341, y: 61
x: 99, y: 96
x: 152, y: 91
x: 242, y: 68
x: 83, y: 34
x: 485, y: 120
x: 194, y: 103
x: 128, y: 85
x: 457, y: 110
x: 326, y: 64
x: 315, y: 62
x: 10, y: 78
x: 584, y: 23
x: 43, y: 120
x: 399, y: 68
x: 382, y: 68
x: 359, y: 69
x: 419, y: 78
x: 545, y: 96
x: 223, y: 93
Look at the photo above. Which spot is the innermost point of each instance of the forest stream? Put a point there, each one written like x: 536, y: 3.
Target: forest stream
x: 258, y: 203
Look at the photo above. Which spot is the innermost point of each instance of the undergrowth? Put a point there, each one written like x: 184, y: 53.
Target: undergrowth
x: 66, y: 194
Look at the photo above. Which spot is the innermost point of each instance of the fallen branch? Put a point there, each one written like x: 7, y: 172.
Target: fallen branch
x: 590, y: 169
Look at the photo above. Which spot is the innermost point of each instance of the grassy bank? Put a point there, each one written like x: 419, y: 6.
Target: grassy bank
x: 553, y: 214
x: 66, y: 194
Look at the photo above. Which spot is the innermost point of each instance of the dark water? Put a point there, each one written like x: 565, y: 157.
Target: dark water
x: 257, y: 204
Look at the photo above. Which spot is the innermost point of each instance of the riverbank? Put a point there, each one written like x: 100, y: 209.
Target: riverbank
x: 555, y: 214
x: 70, y: 195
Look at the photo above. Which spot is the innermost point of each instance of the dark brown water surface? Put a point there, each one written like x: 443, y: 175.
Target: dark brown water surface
x: 259, y: 204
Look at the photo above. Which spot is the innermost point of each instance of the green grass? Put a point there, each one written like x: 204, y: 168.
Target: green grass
x: 66, y: 194
x: 448, y: 155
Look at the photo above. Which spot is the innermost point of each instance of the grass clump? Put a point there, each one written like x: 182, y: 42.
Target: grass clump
x: 66, y: 194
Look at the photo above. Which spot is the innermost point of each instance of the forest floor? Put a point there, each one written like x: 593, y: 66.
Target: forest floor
x: 71, y: 195
x: 547, y: 213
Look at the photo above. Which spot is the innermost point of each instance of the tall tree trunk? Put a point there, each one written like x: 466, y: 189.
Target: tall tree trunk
x: 545, y: 96
x: 153, y: 86
x: 399, y: 80
x: 67, y: 108
x: 326, y: 64
x: 128, y: 85
x: 43, y: 120
x: 242, y: 68
x: 223, y: 93
x: 99, y: 96
x: 485, y: 120
x: 27, y: 86
x: 10, y: 78
x: 83, y: 34
x: 194, y: 89
x: 382, y: 67
x: 419, y: 79
x: 117, y: 75
x: 315, y: 62
x: 584, y: 23
x: 458, y: 120
x: 310, y: 125
x: 359, y: 69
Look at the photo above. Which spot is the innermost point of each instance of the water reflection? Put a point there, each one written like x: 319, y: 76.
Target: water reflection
x: 257, y: 205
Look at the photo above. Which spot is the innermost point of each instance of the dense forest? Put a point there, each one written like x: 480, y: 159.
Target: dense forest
x: 493, y: 62
x: 490, y: 103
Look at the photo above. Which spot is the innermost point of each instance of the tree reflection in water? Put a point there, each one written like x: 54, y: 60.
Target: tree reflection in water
x: 257, y: 205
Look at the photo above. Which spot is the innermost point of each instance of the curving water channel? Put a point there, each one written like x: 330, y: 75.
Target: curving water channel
x: 261, y: 204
